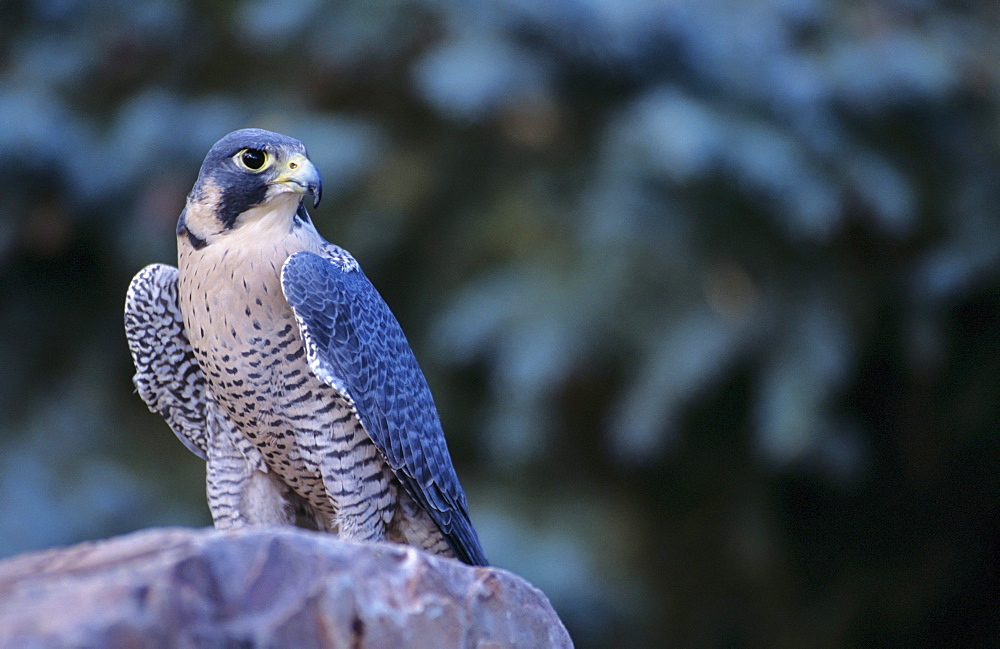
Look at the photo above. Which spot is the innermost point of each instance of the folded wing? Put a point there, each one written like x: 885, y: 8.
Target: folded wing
x: 355, y: 345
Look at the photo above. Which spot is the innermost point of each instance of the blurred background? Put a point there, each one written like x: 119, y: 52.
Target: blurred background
x: 707, y: 291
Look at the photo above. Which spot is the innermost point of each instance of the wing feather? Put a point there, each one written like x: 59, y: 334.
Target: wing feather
x: 355, y: 345
x: 167, y: 377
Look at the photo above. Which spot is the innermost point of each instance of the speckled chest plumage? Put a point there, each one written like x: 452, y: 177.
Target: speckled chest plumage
x: 246, y: 340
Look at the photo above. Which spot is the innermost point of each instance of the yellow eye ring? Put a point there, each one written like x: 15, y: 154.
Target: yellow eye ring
x: 253, y: 159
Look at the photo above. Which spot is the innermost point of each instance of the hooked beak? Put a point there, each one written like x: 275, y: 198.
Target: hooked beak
x: 301, y: 176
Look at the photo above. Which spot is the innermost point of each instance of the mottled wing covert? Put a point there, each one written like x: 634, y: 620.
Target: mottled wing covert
x: 167, y: 375
x: 355, y: 345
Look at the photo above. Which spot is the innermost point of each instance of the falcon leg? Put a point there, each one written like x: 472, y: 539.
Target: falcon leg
x: 241, y: 491
x: 358, y: 480
x: 414, y: 526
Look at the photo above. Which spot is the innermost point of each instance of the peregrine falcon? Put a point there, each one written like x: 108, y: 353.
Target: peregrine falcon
x: 271, y: 355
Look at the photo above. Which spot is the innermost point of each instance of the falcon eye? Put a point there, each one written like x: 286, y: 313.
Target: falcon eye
x: 252, y: 159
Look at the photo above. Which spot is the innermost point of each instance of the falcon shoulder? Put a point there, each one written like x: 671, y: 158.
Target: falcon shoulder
x: 355, y: 345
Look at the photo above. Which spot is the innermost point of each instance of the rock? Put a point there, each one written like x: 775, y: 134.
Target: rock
x: 275, y: 588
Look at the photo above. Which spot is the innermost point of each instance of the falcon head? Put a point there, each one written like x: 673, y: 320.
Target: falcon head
x: 248, y: 176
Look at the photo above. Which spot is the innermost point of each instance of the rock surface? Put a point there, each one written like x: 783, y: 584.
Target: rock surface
x: 281, y: 588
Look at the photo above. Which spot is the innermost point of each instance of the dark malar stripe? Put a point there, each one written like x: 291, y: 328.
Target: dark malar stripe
x: 182, y: 230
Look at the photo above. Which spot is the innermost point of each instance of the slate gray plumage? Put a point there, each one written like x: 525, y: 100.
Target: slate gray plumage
x: 272, y: 356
